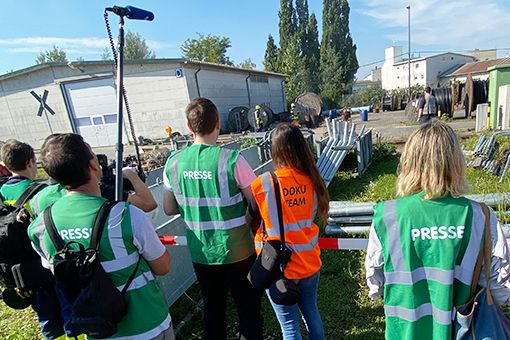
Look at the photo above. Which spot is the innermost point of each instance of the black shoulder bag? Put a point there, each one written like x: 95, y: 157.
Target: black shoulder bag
x: 267, y: 271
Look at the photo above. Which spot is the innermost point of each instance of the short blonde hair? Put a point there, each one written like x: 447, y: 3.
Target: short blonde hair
x: 433, y: 162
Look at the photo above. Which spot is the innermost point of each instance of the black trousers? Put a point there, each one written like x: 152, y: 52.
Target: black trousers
x: 215, y: 281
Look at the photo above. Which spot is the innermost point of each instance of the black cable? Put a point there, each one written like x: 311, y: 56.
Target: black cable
x: 124, y: 96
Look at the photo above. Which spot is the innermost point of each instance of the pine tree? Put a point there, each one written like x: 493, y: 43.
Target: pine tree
x: 302, y: 24
x: 312, y: 71
x: 271, y: 56
x: 287, y: 27
x: 338, y: 60
x: 292, y: 66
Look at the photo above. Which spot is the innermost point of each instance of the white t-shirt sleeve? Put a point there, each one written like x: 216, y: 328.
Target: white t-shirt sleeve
x: 166, y: 181
x: 499, y: 281
x: 144, y: 235
x: 243, y: 173
x: 374, y: 266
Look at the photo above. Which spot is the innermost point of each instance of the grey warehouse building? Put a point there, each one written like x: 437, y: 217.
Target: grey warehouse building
x: 83, y: 97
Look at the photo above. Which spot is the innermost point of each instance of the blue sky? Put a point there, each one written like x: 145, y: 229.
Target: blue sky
x: 30, y: 27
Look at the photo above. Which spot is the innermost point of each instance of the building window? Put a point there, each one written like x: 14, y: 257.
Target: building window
x: 415, y: 77
x: 422, y: 76
x: 417, y: 65
x: 452, y: 58
x: 259, y: 79
x: 398, y: 68
x: 398, y: 77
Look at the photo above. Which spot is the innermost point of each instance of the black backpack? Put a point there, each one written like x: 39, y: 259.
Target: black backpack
x: 15, y: 247
x: 97, y: 305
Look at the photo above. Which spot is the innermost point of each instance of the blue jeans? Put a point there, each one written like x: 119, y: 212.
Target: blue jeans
x: 53, y: 312
x: 288, y: 316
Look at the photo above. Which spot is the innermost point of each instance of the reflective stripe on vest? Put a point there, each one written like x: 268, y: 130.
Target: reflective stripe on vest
x: 401, y: 275
x: 442, y: 317
x: 224, y: 200
x: 267, y: 185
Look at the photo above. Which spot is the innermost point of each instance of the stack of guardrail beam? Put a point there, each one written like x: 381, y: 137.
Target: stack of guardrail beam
x: 355, y: 218
x: 485, y: 152
x: 343, y: 138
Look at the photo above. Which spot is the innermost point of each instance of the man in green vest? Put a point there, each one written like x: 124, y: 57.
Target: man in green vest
x: 424, y: 245
x: 207, y: 185
x: 128, y: 236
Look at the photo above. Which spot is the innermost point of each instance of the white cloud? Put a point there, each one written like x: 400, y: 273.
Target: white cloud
x: 455, y: 24
x: 85, y: 46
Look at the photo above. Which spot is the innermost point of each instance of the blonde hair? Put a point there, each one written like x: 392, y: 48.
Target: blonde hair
x: 432, y: 161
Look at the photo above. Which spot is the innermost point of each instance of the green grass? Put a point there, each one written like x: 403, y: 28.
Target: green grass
x: 346, y: 310
x: 18, y: 324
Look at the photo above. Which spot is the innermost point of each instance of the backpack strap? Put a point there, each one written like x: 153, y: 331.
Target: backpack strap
x: 99, y: 222
x: 52, y: 230
x: 29, y: 192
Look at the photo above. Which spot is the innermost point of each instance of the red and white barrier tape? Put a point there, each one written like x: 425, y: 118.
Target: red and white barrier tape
x: 324, y: 243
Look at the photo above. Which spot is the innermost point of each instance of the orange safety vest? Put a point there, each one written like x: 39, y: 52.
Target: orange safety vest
x: 299, y: 205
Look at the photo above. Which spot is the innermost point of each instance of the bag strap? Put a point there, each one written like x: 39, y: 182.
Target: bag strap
x: 29, y: 192
x: 52, y: 230
x: 487, y: 253
x: 279, y: 208
x: 132, y: 276
x: 99, y: 222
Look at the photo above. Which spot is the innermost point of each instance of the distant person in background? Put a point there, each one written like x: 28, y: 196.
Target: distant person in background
x: 346, y: 114
x: 304, y: 195
x: 423, y: 246
x: 427, y: 106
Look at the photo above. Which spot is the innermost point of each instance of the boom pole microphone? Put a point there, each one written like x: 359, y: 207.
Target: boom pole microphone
x: 131, y: 12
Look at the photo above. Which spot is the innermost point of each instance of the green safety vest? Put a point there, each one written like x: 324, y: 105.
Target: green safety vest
x: 203, y: 182
x: 74, y: 217
x: 46, y: 197
x: 11, y: 192
x: 430, y: 249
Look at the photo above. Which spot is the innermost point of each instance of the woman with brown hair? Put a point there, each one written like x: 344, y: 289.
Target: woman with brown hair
x: 303, y: 196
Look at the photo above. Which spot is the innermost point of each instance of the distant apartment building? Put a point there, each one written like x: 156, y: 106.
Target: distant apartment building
x: 425, y: 71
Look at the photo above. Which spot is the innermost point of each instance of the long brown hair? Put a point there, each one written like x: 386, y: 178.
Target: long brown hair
x: 289, y: 148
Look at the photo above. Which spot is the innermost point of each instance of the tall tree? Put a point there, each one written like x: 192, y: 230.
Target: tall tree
x: 247, y: 64
x: 56, y: 54
x: 136, y: 47
x: 292, y: 66
x: 312, y: 57
x: 271, y: 56
x: 287, y: 27
x: 338, y: 60
x: 106, y: 54
x: 302, y: 24
x: 209, y: 48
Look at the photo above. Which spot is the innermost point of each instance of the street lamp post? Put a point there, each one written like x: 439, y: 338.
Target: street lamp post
x: 409, y: 49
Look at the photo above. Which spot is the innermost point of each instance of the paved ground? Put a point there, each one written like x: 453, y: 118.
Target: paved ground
x: 395, y: 127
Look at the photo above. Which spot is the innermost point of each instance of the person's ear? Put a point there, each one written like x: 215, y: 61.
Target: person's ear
x: 189, y: 127
x: 217, y: 124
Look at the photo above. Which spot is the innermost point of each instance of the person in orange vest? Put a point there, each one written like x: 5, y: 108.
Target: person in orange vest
x: 303, y: 195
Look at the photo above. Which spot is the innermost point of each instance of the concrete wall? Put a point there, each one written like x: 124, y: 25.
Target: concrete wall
x: 157, y: 96
x: 424, y: 71
x: 18, y: 108
x: 229, y: 88
x: 436, y: 65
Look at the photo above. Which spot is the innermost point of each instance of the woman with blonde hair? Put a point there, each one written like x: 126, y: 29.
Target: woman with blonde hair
x: 423, y: 246
x: 303, y: 196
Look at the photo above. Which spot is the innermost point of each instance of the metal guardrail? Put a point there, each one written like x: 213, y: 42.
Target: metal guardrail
x: 355, y: 217
x: 343, y: 138
x: 182, y: 275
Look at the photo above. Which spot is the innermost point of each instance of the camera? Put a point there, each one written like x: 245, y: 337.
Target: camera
x: 108, y: 177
